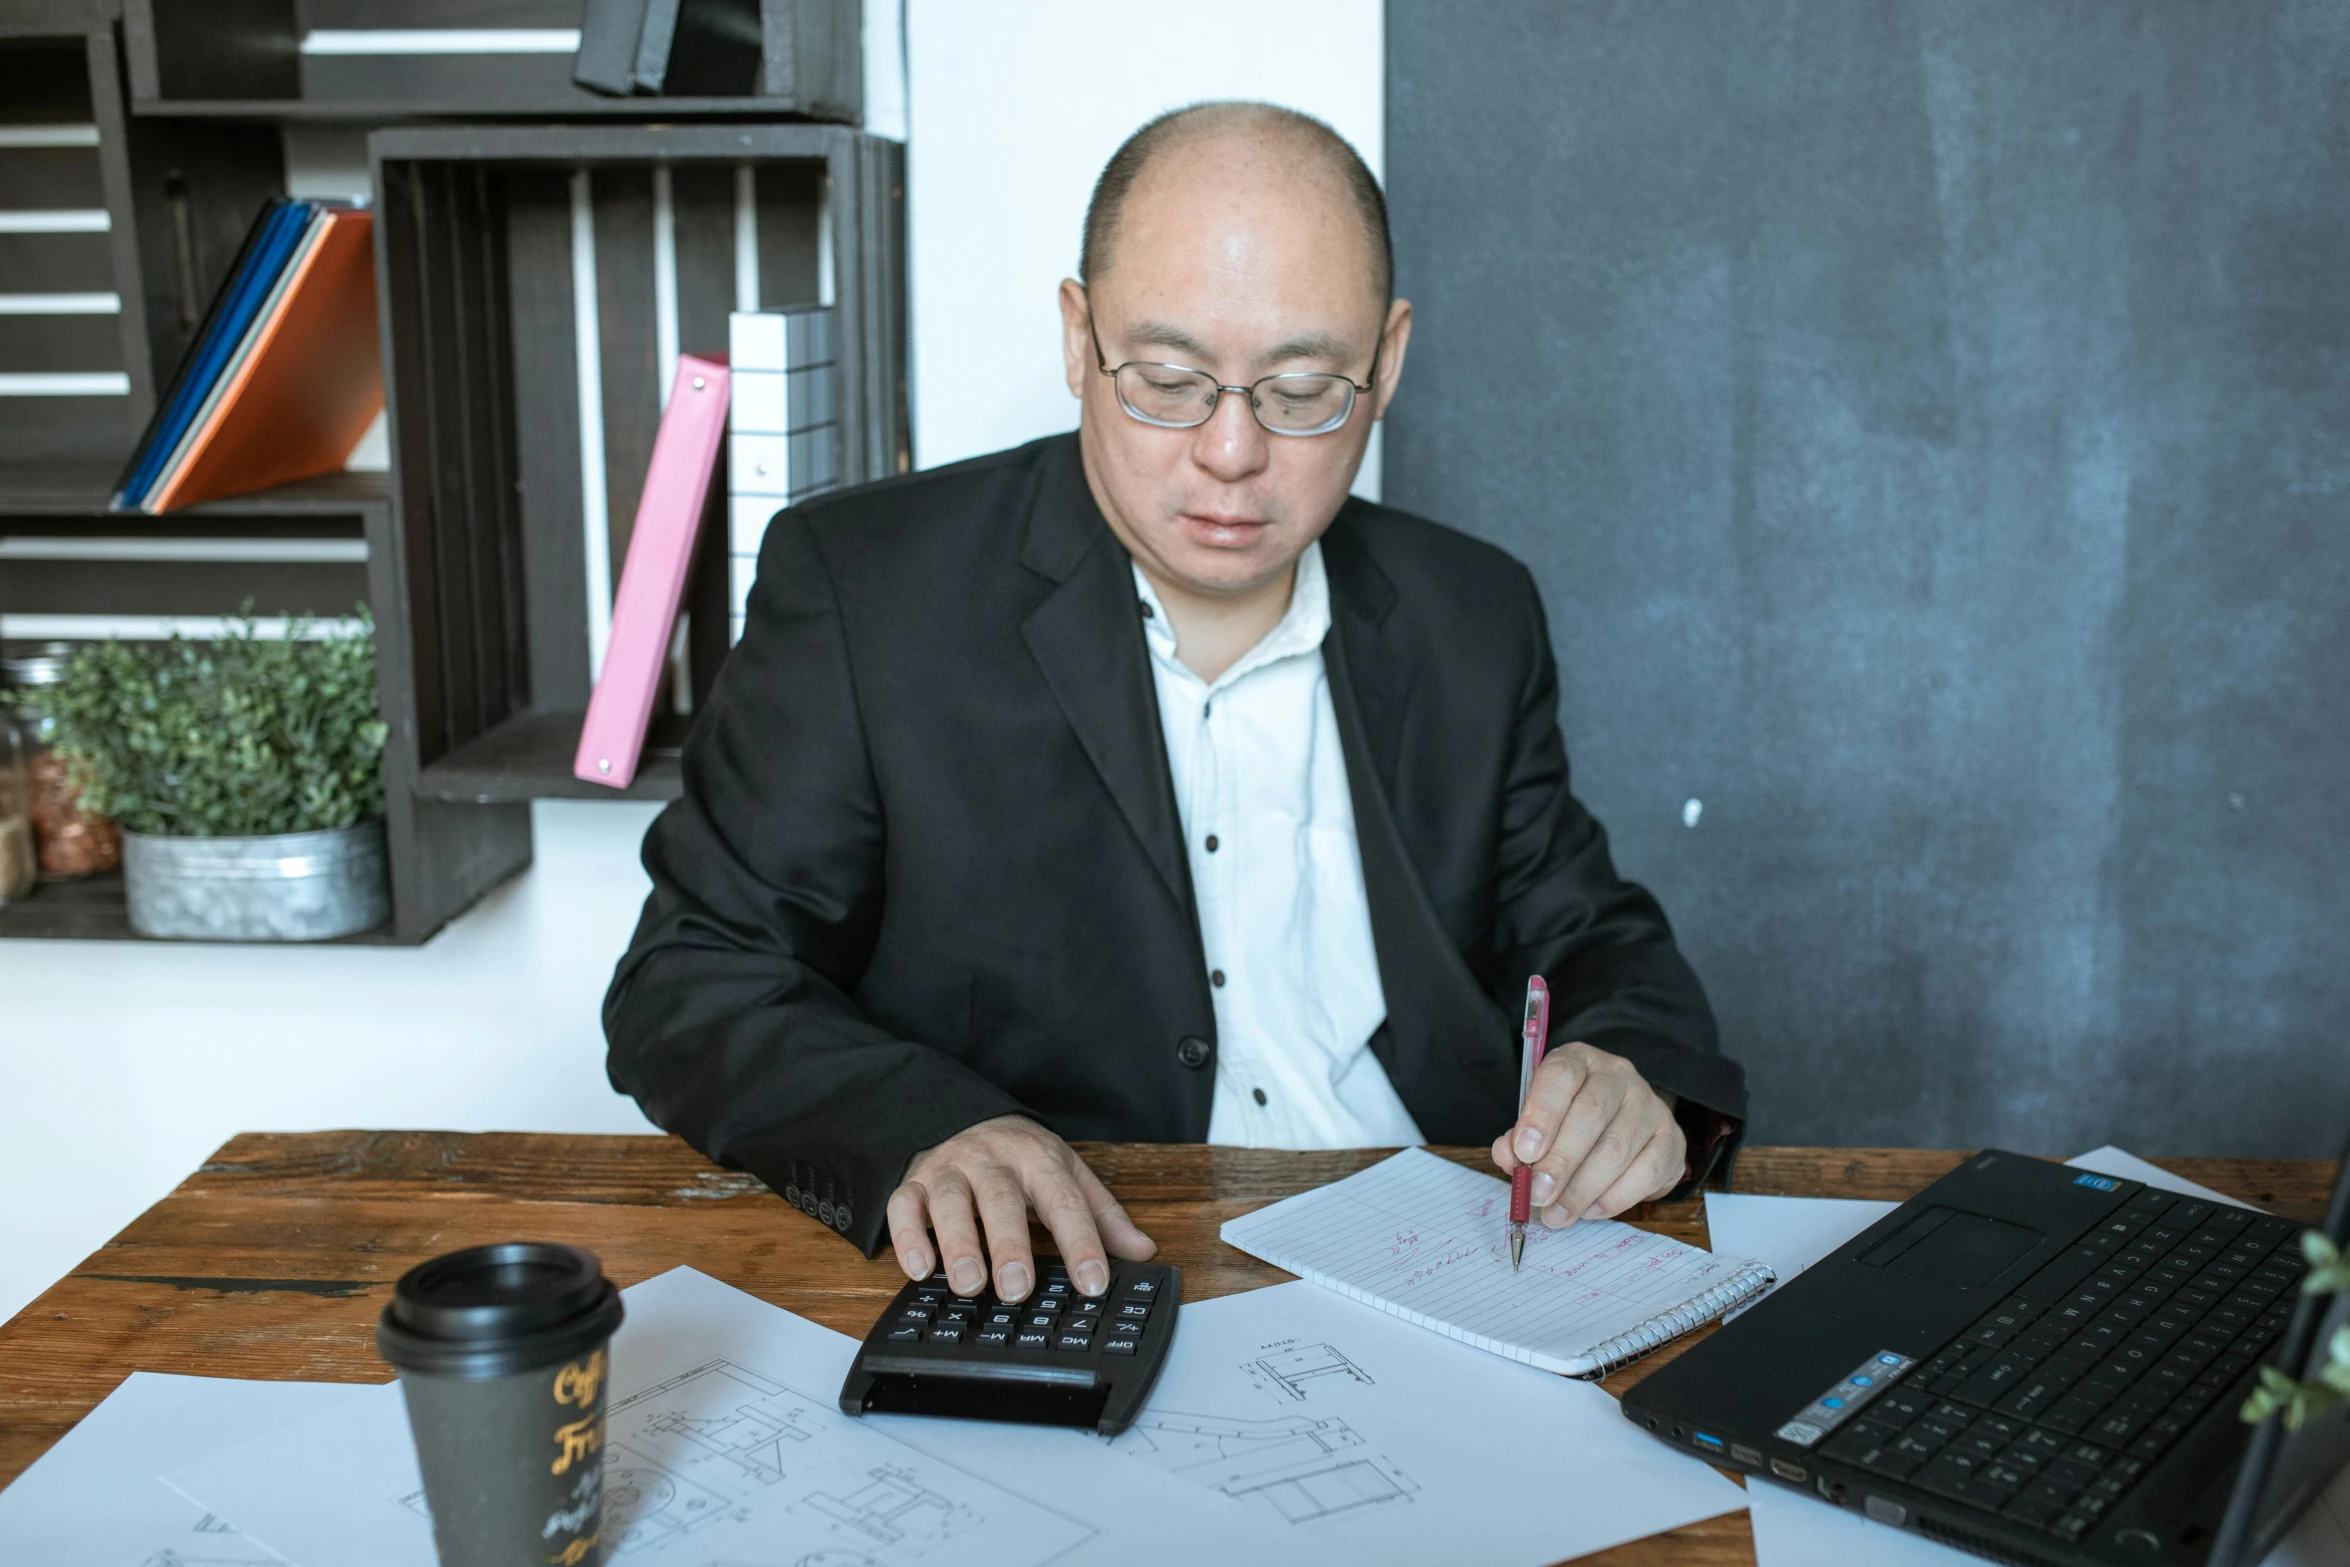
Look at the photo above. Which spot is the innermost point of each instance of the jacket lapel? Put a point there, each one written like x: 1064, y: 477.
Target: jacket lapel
x: 1440, y: 1024
x: 1087, y: 639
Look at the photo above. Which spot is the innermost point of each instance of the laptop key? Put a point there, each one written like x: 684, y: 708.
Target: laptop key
x: 1885, y: 1461
x: 2069, y: 1414
x: 2052, y: 1491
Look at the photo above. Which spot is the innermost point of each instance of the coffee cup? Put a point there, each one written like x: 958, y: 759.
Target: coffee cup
x: 503, y: 1353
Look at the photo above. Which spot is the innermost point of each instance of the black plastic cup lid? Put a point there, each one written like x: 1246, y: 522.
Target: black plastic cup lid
x: 496, y: 1310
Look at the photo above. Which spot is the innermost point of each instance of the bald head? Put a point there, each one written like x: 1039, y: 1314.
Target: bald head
x: 1281, y: 142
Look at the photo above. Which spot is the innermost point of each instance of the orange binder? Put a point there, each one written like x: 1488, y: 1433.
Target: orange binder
x: 308, y: 390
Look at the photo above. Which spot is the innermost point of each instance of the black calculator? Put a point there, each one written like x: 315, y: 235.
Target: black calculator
x: 1056, y: 1358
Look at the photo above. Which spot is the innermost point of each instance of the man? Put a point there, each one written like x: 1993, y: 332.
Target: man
x: 1139, y: 784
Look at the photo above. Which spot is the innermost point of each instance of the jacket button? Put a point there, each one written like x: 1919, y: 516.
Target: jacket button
x: 1194, y: 1051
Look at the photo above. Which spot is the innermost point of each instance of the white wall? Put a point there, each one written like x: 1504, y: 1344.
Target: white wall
x: 123, y: 1064
x: 1015, y: 106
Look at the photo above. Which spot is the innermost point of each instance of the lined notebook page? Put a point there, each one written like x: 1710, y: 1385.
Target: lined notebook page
x: 1428, y: 1240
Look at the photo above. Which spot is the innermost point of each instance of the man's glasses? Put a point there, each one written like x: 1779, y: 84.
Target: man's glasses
x: 1175, y: 397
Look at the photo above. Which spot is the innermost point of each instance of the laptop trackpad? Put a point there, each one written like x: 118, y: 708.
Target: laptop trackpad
x: 1947, y: 1246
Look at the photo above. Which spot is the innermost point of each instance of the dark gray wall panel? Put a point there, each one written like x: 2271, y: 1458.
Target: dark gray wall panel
x: 1927, y: 422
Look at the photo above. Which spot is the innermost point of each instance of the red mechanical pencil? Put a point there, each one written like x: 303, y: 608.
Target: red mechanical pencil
x: 1537, y: 1032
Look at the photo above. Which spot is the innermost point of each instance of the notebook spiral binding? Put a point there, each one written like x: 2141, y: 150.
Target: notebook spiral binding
x: 1665, y: 1327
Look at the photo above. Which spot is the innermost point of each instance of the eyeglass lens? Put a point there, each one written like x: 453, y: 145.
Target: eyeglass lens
x: 1300, y: 404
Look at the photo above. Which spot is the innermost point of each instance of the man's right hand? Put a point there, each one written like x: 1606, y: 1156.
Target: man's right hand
x: 987, y: 1178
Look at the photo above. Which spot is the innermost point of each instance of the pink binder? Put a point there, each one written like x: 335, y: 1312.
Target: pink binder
x: 652, y: 582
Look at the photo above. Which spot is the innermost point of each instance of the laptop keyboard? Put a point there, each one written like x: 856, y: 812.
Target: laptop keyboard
x: 2052, y: 1405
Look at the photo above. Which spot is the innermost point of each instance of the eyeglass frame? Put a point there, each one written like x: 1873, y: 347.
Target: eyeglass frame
x: 1217, y: 389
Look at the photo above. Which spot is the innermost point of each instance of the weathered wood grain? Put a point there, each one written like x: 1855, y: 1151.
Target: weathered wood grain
x: 274, y: 1258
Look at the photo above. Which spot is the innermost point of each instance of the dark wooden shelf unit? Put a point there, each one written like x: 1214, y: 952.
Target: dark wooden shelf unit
x: 150, y: 214
x: 476, y: 561
x: 93, y: 909
x: 482, y: 603
x: 244, y: 59
x: 528, y: 757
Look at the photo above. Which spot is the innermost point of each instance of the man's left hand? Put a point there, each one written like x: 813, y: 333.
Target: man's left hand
x: 1599, y: 1138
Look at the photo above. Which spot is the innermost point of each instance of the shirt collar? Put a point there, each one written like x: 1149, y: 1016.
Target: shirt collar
x: 1300, y: 629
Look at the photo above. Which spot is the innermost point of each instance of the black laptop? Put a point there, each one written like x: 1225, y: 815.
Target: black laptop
x: 2037, y: 1364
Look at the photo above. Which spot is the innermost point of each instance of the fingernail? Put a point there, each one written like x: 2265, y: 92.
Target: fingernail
x: 1529, y: 1144
x: 1555, y: 1218
x: 1092, y: 1278
x: 1011, y: 1281
x: 1593, y: 1212
x: 966, y: 1275
x: 1545, y: 1188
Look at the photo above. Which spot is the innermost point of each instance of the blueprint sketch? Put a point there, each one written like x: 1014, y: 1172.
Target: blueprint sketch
x: 1286, y: 1373
x: 1345, y: 1431
x: 1302, y: 1469
x: 724, y: 1446
x: 95, y: 1497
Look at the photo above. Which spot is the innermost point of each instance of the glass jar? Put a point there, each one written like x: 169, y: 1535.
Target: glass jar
x: 68, y: 842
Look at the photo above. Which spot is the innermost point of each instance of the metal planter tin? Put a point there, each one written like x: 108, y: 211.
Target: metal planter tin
x: 299, y: 886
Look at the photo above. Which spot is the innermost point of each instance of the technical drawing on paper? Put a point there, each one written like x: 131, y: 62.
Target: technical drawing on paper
x: 894, y: 1508
x: 1285, y: 1373
x: 719, y: 1451
x: 1303, y: 1469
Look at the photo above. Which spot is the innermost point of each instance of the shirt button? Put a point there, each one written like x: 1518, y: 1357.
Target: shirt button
x: 1211, y: 843
x: 1144, y: 606
x: 1260, y: 1093
x: 1193, y: 1052
x: 1216, y: 978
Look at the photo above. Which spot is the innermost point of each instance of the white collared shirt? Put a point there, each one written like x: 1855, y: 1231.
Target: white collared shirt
x: 1286, y: 926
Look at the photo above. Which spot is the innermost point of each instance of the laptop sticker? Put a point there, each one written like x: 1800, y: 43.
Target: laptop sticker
x: 1837, y: 1405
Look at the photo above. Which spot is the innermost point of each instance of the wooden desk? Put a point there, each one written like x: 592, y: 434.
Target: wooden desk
x: 275, y: 1257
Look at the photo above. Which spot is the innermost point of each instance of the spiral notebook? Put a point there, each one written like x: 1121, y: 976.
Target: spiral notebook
x: 1428, y: 1240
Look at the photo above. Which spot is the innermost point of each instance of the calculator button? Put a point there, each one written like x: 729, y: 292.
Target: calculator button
x: 1143, y: 1287
x: 915, y: 1314
x: 1002, y: 1317
x: 993, y: 1338
x: 1032, y: 1338
x: 1058, y: 1288
x: 947, y: 1333
x: 904, y: 1335
x: 1134, y: 1311
x: 1074, y: 1341
x: 1047, y: 1303
x: 967, y: 1302
x: 1086, y: 1308
x: 1121, y: 1346
x: 1126, y: 1330
x: 954, y: 1314
x: 1041, y: 1321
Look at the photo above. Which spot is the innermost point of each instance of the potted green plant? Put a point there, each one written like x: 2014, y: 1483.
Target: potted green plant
x: 246, y: 774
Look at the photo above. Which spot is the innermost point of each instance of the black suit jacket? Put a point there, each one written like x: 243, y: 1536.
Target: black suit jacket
x: 928, y: 868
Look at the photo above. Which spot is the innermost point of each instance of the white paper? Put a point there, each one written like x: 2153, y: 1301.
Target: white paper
x: 725, y: 1443
x: 1793, y: 1530
x: 1789, y: 1233
x: 2110, y: 1160
x: 1428, y: 1240
x: 94, y: 1497
x: 1344, y: 1429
